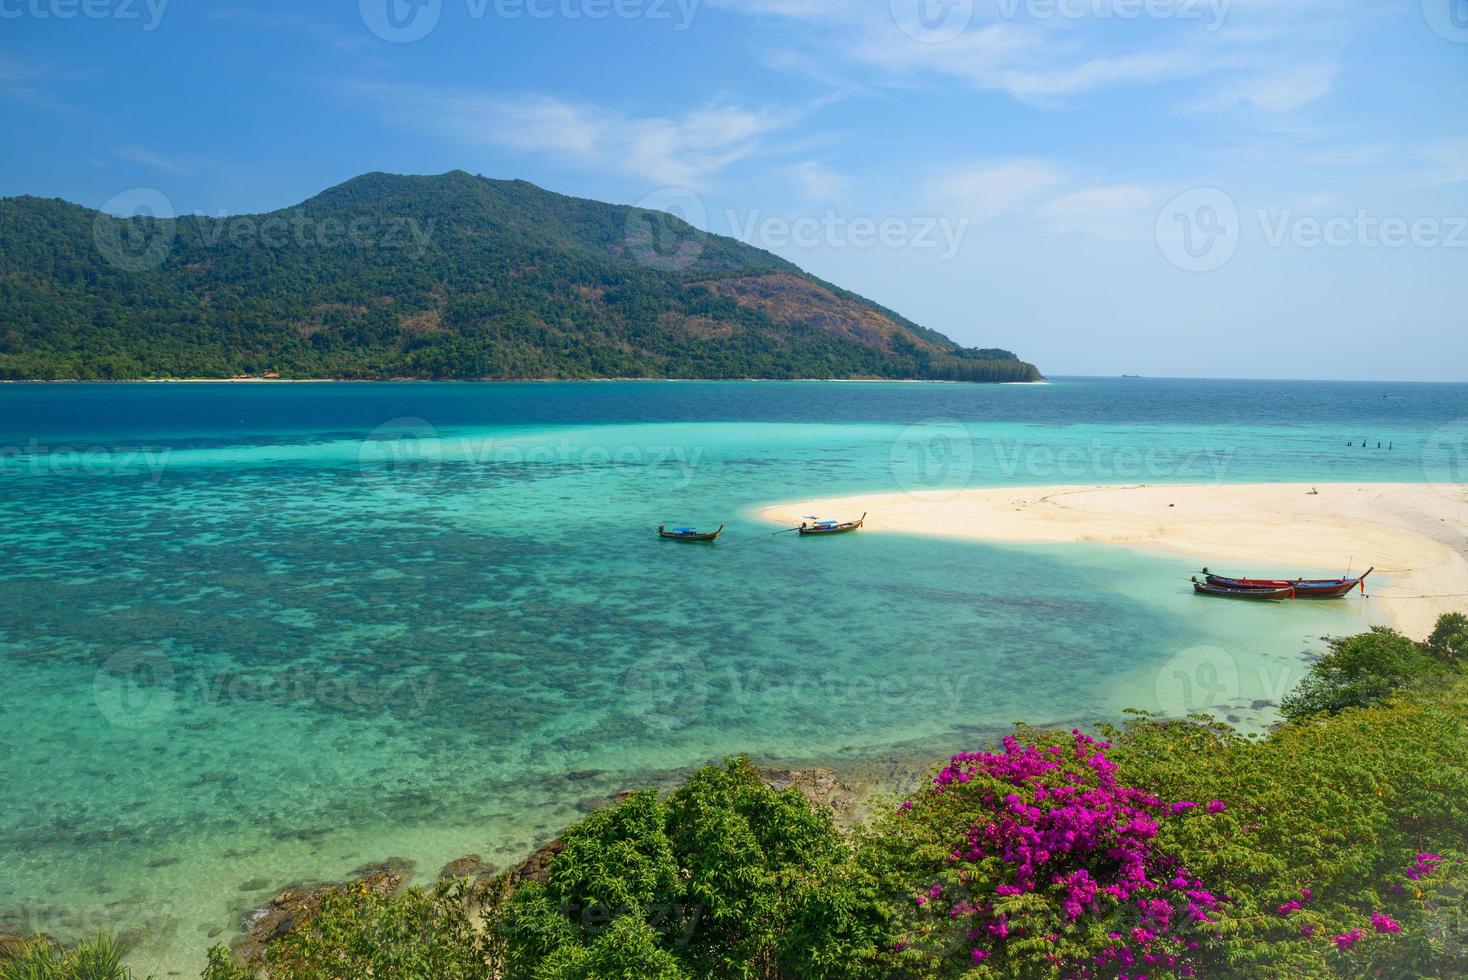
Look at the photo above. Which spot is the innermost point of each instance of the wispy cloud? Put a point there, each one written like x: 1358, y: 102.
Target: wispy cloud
x: 1117, y: 212
x: 678, y: 150
x: 1041, y: 197
x: 987, y: 191
x: 154, y: 161
x: 295, y: 25
x: 1450, y: 162
x: 30, y: 84
x: 818, y: 182
x: 1045, y: 55
x: 1279, y: 91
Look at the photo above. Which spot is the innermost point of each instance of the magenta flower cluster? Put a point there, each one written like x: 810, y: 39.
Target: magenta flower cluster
x: 1426, y: 865
x: 1385, y: 923
x: 1060, y: 824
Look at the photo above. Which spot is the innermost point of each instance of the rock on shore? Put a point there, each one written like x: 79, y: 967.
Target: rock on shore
x: 280, y: 915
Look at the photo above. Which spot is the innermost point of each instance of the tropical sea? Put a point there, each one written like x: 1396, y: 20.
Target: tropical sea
x: 253, y: 634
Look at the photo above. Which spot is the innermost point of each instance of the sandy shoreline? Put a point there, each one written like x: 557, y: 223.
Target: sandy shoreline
x: 1416, y: 534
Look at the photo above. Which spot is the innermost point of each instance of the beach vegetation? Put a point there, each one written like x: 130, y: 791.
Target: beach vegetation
x: 42, y: 959
x: 1367, y: 668
x: 1332, y: 845
x: 725, y: 878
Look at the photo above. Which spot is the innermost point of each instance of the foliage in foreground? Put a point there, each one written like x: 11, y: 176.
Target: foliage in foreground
x: 90, y: 959
x: 727, y: 878
x: 1331, y: 847
x: 1365, y: 669
x: 428, y: 933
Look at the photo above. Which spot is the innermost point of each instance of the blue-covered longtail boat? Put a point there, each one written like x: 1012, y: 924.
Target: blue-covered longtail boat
x: 689, y: 534
x: 832, y: 527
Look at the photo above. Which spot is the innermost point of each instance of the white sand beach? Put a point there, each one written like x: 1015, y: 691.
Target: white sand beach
x: 1414, y: 534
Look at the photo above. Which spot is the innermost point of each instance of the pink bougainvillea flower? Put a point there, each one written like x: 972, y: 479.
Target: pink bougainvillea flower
x: 1385, y: 923
x: 1060, y: 825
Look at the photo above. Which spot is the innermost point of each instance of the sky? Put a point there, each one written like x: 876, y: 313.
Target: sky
x: 1197, y: 188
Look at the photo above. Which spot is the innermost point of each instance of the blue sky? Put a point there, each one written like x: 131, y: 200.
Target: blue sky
x: 1241, y: 188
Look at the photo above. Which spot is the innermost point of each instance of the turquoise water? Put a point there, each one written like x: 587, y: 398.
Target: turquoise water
x: 252, y: 634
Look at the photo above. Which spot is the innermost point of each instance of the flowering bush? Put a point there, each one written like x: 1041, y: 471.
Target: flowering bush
x: 1052, y: 864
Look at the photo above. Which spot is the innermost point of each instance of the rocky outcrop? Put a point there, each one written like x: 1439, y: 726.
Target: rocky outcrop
x: 12, y: 945
x: 537, y: 866
x: 469, y: 866
x: 820, y: 787
x: 284, y: 912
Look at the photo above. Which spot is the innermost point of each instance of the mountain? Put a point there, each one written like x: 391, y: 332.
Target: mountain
x: 453, y: 276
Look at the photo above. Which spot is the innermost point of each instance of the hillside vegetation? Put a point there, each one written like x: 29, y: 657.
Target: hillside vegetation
x: 445, y: 277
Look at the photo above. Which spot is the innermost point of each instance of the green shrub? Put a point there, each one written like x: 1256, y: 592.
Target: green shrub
x: 1340, y: 807
x: 1366, y: 669
x: 95, y: 959
x: 1449, y: 640
x: 422, y: 934
x: 727, y: 878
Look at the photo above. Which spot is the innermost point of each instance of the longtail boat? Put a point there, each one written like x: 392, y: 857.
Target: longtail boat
x: 1223, y: 591
x: 689, y: 534
x: 832, y: 527
x: 1305, y: 588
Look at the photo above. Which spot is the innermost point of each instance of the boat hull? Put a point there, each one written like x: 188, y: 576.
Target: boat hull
x: 1304, y: 588
x: 675, y: 536
x: 844, y: 528
x: 1255, y: 594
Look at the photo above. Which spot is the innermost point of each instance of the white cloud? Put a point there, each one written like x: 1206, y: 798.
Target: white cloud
x: 152, y: 160
x: 683, y: 151
x: 986, y: 192
x: 1282, y: 91
x: 1101, y: 199
x: 818, y: 182
x: 1451, y: 161
x: 1120, y: 212
x: 1047, y: 56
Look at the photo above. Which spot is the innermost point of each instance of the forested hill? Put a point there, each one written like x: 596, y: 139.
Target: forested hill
x: 453, y: 277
